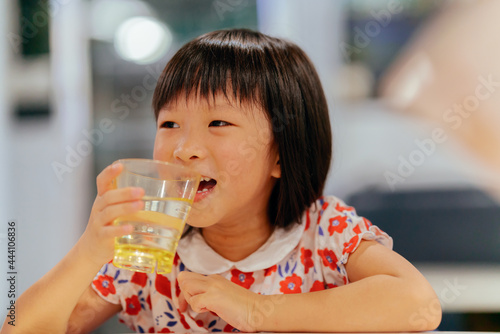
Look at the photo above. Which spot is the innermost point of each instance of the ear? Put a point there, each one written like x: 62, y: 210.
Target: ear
x: 276, y: 171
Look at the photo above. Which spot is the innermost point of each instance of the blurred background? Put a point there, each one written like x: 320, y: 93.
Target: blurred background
x: 413, y: 88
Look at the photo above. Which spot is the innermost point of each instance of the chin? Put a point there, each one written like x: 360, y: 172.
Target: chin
x: 198, y: 218
x: 195, y: 224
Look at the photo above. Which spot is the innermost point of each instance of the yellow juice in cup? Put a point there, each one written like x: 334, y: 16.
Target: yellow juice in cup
x: 157, y: 230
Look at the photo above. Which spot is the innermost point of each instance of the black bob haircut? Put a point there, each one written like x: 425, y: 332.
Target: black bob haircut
x: 277, y: 76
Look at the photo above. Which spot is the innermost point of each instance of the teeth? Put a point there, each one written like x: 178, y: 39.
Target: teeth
x: 206, y: 179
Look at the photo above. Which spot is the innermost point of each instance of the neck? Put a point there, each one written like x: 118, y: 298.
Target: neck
x: 230, y: 242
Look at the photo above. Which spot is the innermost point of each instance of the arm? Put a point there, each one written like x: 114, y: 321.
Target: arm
x: 62, y: 295
x: 47, y: 305
x: 386, y: 294
x: 90, y: 312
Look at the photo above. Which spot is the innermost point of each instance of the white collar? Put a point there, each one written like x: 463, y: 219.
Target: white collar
x: 199, y: 257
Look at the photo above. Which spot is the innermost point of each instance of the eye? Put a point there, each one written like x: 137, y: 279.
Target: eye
x: 169, y: 125
x: 219, y: 123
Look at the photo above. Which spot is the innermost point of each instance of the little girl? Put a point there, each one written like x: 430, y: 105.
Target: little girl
x: 264, y: 251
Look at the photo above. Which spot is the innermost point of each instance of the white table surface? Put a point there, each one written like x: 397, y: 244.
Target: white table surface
x: 465, y: 287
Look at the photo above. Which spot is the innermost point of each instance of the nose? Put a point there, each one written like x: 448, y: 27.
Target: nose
x: 189, y: 149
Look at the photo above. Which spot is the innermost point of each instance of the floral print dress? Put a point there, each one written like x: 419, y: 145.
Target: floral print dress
x: 310, y: 256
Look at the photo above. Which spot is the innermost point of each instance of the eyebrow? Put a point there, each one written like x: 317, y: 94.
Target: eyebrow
x: 225, y: 107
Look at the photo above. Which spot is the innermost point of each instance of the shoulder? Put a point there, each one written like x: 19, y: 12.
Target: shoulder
x: 332, y: 203
x: 336, y: 226
x: 327, y: 206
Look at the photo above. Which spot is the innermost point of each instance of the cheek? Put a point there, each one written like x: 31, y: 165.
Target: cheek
x: 161, y: 151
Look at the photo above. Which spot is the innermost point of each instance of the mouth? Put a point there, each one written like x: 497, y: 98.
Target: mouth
x: 206, y: 187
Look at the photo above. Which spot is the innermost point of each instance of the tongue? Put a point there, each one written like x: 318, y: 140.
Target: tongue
x: 207, y: 184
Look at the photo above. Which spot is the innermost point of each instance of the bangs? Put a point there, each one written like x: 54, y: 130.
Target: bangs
x: 213, y: 64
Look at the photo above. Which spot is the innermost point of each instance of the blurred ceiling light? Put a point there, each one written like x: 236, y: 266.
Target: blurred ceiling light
x: 142, y: 40
x: 107, y: 15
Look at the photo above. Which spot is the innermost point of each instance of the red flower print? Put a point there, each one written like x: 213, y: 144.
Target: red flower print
x: 270, y: 270
x: 291, y: 284
x: 337, y: 224
x: 228, y: 328
x: 341, y: 208
x: 317, y: 286
x: 177, y: 288
x: 308, y: 221
x: 183, y: 321
x: 163, y: 286
x: 148, y: 301
x: 139, y: 278
x: 104, y: 284
x: 151, y: 330
x: 306, y: 259
x: 165, y: 330
x: 350, y: 245
x: 241, y: 278
x: 199, y: 323
x: 133, y: 305
x: 330, y: 286
x: 357, y: 229
x: 176, y: 259
x: 323, y: 207
x: 329, y: 258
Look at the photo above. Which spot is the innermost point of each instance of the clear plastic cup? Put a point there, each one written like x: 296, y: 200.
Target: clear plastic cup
x: 169, y: 193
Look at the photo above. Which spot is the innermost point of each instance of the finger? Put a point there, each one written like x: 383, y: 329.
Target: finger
x: 198, y: 303
x: 188, y: 275
x: 116, y: 231
x: 192, y: 288
x: 183, y: 304
x: 111, y: 212
x: 105, y: 178
x: 191, y: 282
x: 118, y: 196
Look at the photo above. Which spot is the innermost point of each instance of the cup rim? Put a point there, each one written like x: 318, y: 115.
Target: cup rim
x: 158, y: 162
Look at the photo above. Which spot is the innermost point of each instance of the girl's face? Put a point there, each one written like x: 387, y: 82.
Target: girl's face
x: 231, y: 146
